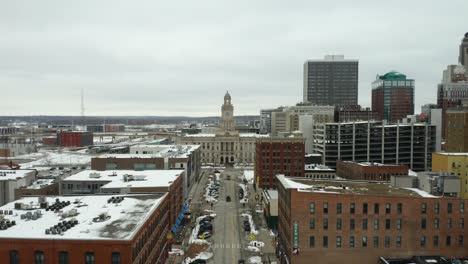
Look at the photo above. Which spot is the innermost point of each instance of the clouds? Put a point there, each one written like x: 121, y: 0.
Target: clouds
x: 178, y: 58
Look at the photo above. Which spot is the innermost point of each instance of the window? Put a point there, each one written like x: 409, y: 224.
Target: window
x: 387, y: 223
x: 39, y: 257
x: 325, y: 223
x: 448, y: 241
x: 14, y: 257
x: 339, y: 208
x: 398, y: 224
x: 449, y: 222
x: 325, y: 241
x: 325, y: 208
x: 63, y: 257
x: 312, y: 208
x: 399, y: 208
x: 376, y: 208
x: 338, y: 224
x: 352, y: 224
x: 364, y: 241
x: 462, y: 208
x: 460, y: 240
x: 388, y: 208
x: 462, y: 223
x: 449, y: 208
x: 115, y: 258
x: 311, y: 241
x: 436, y: 241
x: 423, y: 223
x: 376, y: 224
x: 338, y: 241
x: 312, y: 223
x: 436, y: 223
x: 422, y: 241
x: 387, y: 242
x: 376, y: 241
x: 365, y: 208
x: 436, y: 208
x: 89, y: 258
x: 351, y: 241
x: 364, y: 224
x: 423, y: 208
x: 352, y: 208
x: 398, y: 241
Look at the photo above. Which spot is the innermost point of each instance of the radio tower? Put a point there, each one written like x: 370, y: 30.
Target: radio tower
x: 82, y: 107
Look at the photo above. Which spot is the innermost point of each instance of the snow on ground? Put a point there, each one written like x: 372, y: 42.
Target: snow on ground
x: 176, y: 251
x: 253, y: 249
x: 256, y: 243
x: 255, y: 260
x: 249, y: 176
x: 253, y: 230
x: 208, y: 197
x: 201, y: 255
x: 245, y: 199
x: 194, y: 235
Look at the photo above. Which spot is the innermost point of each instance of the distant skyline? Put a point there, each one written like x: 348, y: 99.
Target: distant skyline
x: 178, y: 59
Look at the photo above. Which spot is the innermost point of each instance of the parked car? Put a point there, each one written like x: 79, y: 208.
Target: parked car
x: 228, y: 198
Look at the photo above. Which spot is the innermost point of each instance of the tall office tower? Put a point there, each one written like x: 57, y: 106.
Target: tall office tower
x: 452, y: 91
x: 331, y: 81
x: 456, y: 139
x: 463, y: 58
x: 393, y: 96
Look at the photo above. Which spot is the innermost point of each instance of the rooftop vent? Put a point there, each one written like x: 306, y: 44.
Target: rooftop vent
x: 95, y: 175
x: 101, y: 218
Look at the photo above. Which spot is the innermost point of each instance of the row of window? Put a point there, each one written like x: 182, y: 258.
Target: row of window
x: 388, y: 208
x: 352, y: 243
x: 388, y: 223
x: 63, y: 257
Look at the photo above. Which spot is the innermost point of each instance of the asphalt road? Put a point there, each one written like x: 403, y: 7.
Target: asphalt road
x: 227, y: 244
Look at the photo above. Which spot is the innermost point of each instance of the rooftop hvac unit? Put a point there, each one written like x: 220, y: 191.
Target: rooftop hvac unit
x: 95, y: 175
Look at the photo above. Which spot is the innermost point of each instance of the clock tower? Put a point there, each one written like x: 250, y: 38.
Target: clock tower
x: 226, y: 124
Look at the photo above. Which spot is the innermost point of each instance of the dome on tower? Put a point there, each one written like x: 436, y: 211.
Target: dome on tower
x: 227, y: 95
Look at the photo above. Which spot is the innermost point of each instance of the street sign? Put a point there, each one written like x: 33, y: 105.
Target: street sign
x: 252, y: 237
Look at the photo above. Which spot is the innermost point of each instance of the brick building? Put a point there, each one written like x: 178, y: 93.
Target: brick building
x: 456, y: 129
x: 48, y: 187
x: 92, y: 229
x: 278, y: 156
x: 359, y: 222
x: 90, y: 182
x: 155, y: 157
x: 74, y: 138
x: 370, y: 171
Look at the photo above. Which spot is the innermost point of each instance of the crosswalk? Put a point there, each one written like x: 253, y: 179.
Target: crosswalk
x: 235, y: 246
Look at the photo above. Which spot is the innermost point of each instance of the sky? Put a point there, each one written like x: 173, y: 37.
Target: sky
x: 178, y: 58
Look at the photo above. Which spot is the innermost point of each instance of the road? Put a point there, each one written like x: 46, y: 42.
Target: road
x: 227, y: 244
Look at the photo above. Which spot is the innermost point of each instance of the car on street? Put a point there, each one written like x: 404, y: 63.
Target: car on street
x: 241, y: 261
x: 228, y: 198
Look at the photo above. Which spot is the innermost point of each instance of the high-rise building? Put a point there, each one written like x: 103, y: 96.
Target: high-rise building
x: 456, y: 139
x: 463, y: 58
x: 393, y: 96
x: 452, y: 91
x: 331, y: 81
x: 265, y: 119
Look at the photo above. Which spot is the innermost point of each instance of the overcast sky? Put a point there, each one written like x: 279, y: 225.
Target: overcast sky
x: 180, y: 57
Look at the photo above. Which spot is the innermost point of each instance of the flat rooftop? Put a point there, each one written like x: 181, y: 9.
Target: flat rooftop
x: 452, y: 153
x: 240, y: 135
x: 146, y: 178
x: 8, y: 175
x: 120, y: 221
x: 41, y: 183
x: 317, y: 167
x: 349, y: 187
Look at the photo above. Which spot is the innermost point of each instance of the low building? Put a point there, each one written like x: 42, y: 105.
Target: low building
x: 155, y: 157
x: 313, y: 158
x: 369, y: 171
x: 74, y: 138
x: 270, y: 208
x: 351, y: 113
x: 278, y: 155
x: 456, y: 163
x: 14, y: 179
x: 16, y: 149
x: 359, y: 222
x: 89, y: 182
x: 318, y: 171
x: 87, y: 229
x: 47, y: 187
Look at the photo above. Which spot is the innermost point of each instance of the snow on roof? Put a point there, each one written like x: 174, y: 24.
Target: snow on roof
x: 240, y: 135
x: 8, y: 175
x: 290, y: 184
x: 317, y: 167
x: 422, y: 193
x: 273, y: 194
x: 40, y: 183
x: 123, y: 219
x: 147, y: 178
x: 172, y: 151
x: 452, y: 153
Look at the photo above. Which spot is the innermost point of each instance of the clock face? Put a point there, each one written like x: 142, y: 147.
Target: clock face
x: 226, y: 113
